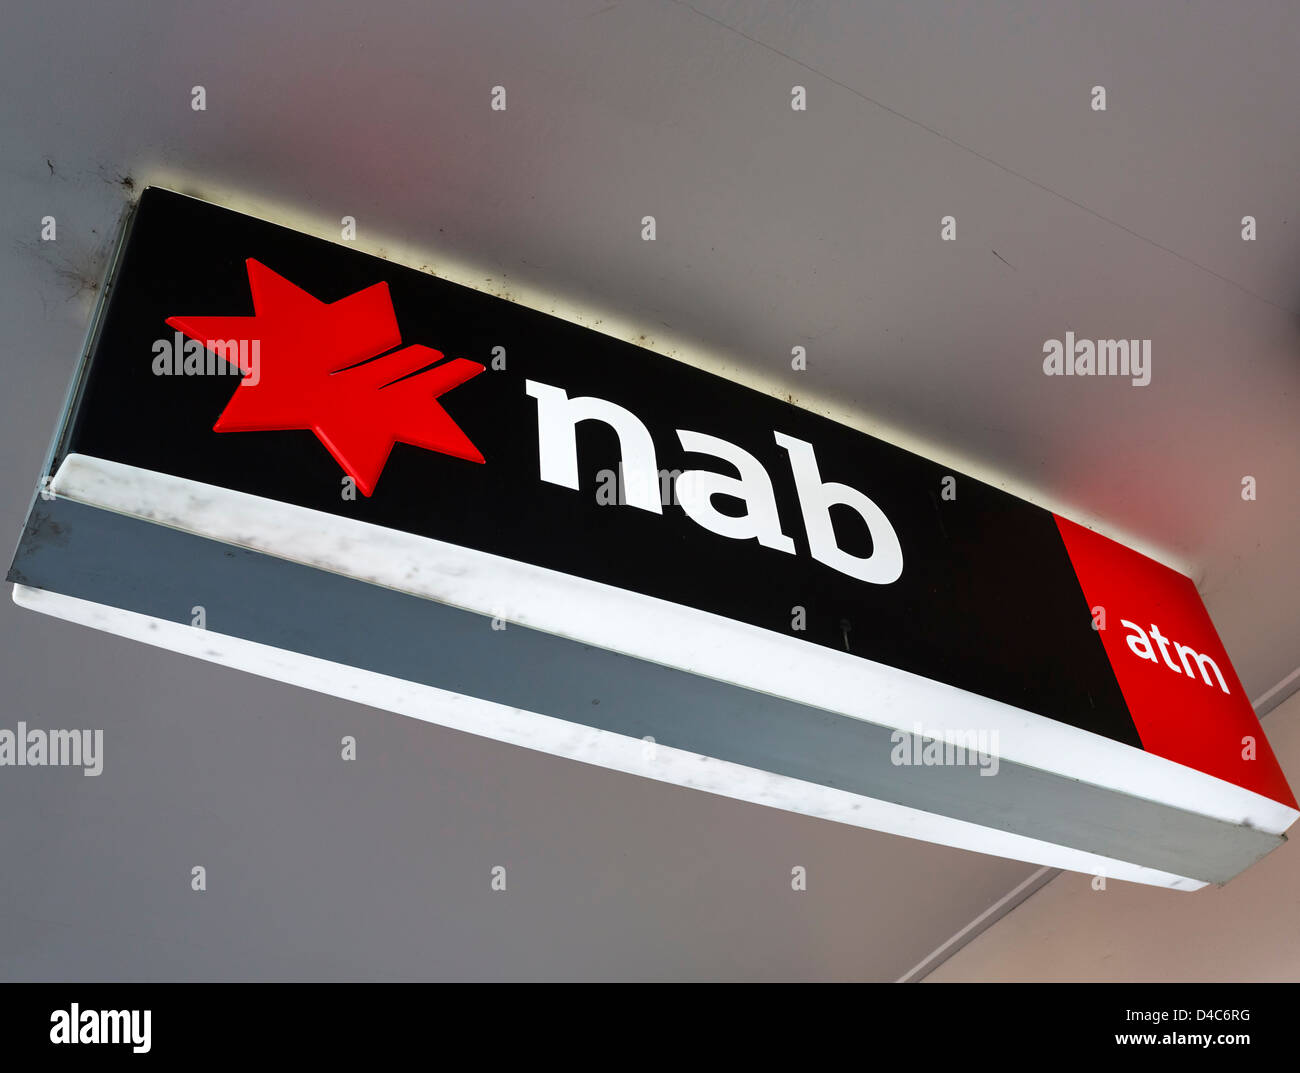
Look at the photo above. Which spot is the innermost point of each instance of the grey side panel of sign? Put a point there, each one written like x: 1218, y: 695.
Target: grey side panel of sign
x: 111, y: 559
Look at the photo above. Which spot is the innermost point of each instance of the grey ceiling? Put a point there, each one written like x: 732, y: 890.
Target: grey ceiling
x: 776, y: 228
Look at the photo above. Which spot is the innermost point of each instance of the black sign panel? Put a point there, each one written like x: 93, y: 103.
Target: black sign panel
x: 987, y: 599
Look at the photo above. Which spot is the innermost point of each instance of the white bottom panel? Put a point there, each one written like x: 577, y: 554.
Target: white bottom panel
x: 532, y: 730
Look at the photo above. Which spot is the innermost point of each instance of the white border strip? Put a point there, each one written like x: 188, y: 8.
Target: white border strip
x: 533, y: 730
x: 651, y: 629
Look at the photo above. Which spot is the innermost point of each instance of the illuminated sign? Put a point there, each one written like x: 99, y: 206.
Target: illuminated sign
x: 291, y: 457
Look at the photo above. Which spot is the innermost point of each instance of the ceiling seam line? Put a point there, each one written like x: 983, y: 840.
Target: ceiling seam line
x: 1002, y: 167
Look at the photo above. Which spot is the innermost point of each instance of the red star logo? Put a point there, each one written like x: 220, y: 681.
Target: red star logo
x: 330, y: 367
